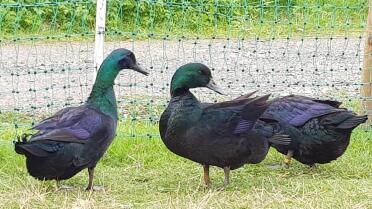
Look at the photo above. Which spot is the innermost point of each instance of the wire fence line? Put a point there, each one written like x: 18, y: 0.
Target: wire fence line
x: 313, y: 47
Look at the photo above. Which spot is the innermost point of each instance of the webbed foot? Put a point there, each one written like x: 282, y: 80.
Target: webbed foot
x: 65, y: 187
x: 95, y: 188
x: 288, y: 158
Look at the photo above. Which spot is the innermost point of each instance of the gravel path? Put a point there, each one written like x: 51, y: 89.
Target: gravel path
x: 42, y: 77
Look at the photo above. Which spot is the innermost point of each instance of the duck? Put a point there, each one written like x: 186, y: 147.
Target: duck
x: 76, y: 138
x: 213, y: 134
x: 319, y: 130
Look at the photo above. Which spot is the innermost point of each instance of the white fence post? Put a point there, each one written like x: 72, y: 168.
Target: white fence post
x: 99, y: 34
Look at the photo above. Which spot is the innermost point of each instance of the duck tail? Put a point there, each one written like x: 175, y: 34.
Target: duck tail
x: 353, y: 122
x: 332, y: 103
x: 18, y: 148
x: 246, y: 96
x: 280, y: 139
x: 24, y: 147
x: 261, y: 100
x: 255, y: 107
x: 20, y: 143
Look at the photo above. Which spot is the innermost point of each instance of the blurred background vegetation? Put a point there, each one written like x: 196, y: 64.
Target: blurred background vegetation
x: 182, y: 18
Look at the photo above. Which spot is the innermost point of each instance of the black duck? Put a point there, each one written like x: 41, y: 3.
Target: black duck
x: 76, y: 138
x: 218, y: 134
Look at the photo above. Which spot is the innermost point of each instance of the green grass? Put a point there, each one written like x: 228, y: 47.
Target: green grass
x: 75, y: 20
x: 142, y: 173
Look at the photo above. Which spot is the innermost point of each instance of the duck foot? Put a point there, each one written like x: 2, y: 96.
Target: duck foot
x: 96, y: 188
x: 288, y: 159
x: 65, y: 187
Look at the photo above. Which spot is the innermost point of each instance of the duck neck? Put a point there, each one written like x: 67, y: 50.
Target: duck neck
x: 103, y: 95
x: 178, y: 86
x: 184, y: 94
x: 180, y: 92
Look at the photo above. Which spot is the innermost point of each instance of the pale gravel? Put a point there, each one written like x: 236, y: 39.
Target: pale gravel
x: 322, y: 68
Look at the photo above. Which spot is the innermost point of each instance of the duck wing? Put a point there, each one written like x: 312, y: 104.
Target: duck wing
x: 232, y: 117
x: 297, y: 110
x: 73, y: 124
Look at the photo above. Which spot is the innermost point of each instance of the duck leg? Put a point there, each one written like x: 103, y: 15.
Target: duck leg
x: 288, y: 158
x: 90, y: 186
x: 226, y: 170
x: 312, y: 166
x: 58, y: 185
x: 90, y: 181
x: 206, y: 174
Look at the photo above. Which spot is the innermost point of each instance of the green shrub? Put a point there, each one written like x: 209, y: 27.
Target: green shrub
x: 177, y: 17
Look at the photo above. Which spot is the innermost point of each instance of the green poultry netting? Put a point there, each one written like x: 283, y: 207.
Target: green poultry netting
x: 308, y: 47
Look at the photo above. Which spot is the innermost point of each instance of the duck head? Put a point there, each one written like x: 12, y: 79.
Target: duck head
x: 193, y: 75
x: 103, y: 90
x: 120, y: 59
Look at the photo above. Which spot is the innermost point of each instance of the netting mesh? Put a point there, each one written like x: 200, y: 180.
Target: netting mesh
x: 312, y: 47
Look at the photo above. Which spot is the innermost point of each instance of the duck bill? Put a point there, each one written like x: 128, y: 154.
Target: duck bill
x: 213, y: 86
x: 140, y: 69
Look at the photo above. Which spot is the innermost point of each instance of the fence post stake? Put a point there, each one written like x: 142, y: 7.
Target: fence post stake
x: 367, y: 66
x: 99, y: 34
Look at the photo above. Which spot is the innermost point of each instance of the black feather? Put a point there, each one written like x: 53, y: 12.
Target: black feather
x: 319, y: 130
x: 220, y: 134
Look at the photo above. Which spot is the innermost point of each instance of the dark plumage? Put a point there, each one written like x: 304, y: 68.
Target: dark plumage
x: 76, y: 138
x: 218, y: 134
x: 319, y: 130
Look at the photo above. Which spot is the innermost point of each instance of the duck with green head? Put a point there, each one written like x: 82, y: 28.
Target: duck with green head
x: 220, y: 134
x: 76, y: 138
